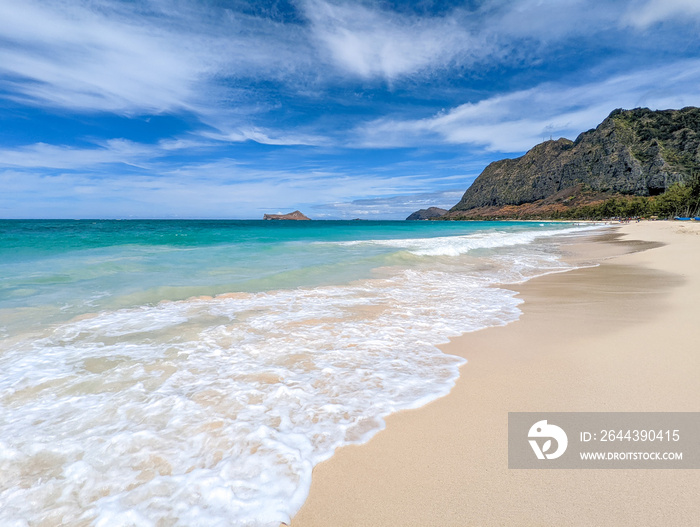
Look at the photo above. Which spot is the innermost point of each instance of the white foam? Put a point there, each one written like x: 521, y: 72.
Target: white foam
x: 458, y: 245
x: 215, y: 412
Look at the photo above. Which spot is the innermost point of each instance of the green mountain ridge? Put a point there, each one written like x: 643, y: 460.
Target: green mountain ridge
x: 632, y: 153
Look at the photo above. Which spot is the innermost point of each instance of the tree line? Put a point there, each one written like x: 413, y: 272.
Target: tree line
x: 679, y: 200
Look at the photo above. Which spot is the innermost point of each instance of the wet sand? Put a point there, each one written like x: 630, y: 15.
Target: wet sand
x: 622, y: 336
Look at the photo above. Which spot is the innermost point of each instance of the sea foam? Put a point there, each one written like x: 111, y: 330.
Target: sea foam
x: 214, y: 411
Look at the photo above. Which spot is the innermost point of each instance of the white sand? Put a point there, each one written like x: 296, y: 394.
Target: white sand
x: 624, y: 336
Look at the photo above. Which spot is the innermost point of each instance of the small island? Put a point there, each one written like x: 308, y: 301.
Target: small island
x: 296, y: 215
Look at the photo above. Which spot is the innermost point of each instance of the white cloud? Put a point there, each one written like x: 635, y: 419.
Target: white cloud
x: 42, y: 155
x: 118, y: 57
x: 222, y: 189
x: 390, y: 207
x: 370, y: 42
x: 546, y: 21
x: 654, y: 11
x: 71, y: 54
x: 165, y: 56
x: 516, y: 121
x: 373, y: 43
x: 264, y: 136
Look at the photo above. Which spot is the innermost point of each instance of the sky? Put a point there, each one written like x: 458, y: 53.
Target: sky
x: 341, y: 109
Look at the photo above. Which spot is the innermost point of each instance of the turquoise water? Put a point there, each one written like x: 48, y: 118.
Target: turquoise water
x: 66, y: 268
x: 193, y: 372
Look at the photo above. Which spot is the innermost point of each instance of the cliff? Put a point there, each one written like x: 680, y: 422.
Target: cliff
x: 296, y: 215
x: 427, y: 214
x: 631, y: 153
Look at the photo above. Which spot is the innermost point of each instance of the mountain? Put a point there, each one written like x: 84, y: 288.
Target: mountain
x: 427, y: 214
x: 636, y: 152
x: 296, y: 215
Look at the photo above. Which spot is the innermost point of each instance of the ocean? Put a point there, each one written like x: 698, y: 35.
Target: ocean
x: 192, y: 373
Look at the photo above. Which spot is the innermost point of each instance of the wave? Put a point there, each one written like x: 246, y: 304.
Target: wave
x: 459, y: 245
x: 213, y: 411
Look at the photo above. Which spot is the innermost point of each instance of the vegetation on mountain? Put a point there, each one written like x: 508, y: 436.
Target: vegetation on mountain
x: 635, y: 163
x: 681, y: 199
x: 427, y: 214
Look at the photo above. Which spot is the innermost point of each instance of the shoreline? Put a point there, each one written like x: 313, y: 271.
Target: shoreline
x: 616, y: 337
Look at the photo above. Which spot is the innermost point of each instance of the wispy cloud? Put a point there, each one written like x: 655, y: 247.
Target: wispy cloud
x: 654, y: 11
x: 264, y: 136
x: 514, y: 122
x: 535, y: 23
x: 88, y: 56
x: 389, y: 207
x: 362, y: 39
x: 369, y: 42
x: 221, y: 189
x: 136, y: 57
x: 42, y: 155
x: 160, y: 56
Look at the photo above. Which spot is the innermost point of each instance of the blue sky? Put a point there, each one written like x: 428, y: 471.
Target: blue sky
x: 369, y: 109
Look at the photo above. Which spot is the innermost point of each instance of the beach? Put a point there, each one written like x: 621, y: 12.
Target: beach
x: 620, y: 336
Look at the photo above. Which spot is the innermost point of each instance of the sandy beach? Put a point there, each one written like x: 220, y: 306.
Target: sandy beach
x: 621, y: 336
